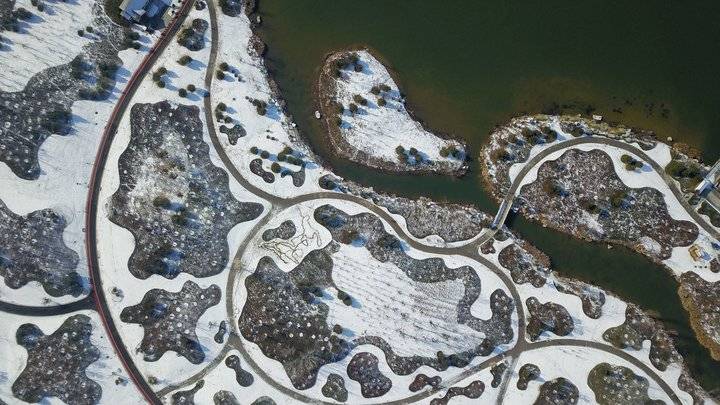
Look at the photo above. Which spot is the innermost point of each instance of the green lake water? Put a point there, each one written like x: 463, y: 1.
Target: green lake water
x: 469, y: 66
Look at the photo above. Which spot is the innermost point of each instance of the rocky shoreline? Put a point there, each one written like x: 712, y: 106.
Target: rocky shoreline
x: 700, y: 299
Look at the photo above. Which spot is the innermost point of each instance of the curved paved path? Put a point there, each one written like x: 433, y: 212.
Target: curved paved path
x: 469, y: 250
x: 506, y: 202
x: 88, y: 302
x: 94, y: 185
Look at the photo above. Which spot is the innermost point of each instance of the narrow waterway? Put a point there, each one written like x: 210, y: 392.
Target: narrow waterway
x: 469, y: 66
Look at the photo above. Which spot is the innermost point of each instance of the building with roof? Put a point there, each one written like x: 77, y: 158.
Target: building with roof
x: 142, y: 11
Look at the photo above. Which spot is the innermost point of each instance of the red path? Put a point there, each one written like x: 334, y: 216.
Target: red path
x: 94, y: 188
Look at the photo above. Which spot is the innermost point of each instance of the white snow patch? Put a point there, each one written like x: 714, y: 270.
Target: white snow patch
x: 378, y: 130
x: 49, y: 39
x: 66, y: 163
x: 247, y: 79
x: 413, y: 317
x: 573, y: 363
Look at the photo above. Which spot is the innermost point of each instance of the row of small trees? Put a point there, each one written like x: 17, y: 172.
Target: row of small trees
x: 286, y: 155
x: 404, y: 155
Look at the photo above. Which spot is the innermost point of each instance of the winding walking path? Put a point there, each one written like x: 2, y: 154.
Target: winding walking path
x: 469, y: 250
x: 91, y: 208
x: 87, y: 302
x: 97, y: 299
x: 506, y: 202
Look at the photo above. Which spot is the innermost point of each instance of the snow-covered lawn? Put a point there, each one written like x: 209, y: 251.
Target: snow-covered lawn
x: 377, y: 129
x: 574, y: 364
x: 105, y: 371
x: 246, y: 80
x: 66, y: 161
x: 49, y: 39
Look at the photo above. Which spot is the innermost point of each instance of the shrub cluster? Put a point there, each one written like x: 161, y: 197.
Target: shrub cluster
x: 57, y: 121
x: 287, y: 155
x: 105, y: 81
x: 219, y: 112
x: 344, y: 297
x: 553, y: 187
x: 401, y: 154
x: 500, y: 155
x: 680, y: 169
x: 617, y: 199
x: 360, y: 100
x: 159, y: 73
x: 450, y: 150
x: 346, y: 61
x: 630, y: 162
x: 40, y: 6
x: 130, y: 39
x: 260, y: 106
x: 77, y: 67
x: 10, y: 22
x: 157, y: 76
x: 185, y: 60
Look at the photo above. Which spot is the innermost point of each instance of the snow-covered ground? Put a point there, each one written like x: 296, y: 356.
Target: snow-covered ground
x: 66, y: 161
x: 646, y: 176
x: 378, y: 130
x: 574, y: 364
x: 116, y: 244
x: 384, y: 295
x: 49, y: 39
x: 223, y: 378
x: 272, y: 132
x: 105, y: 371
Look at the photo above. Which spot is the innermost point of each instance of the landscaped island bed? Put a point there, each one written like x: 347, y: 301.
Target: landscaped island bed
x: 611, y: 184
x: 229, y: 266
x: 367, y: 121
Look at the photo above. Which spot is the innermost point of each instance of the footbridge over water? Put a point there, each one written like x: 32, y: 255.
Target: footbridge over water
x: 709, y: 187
